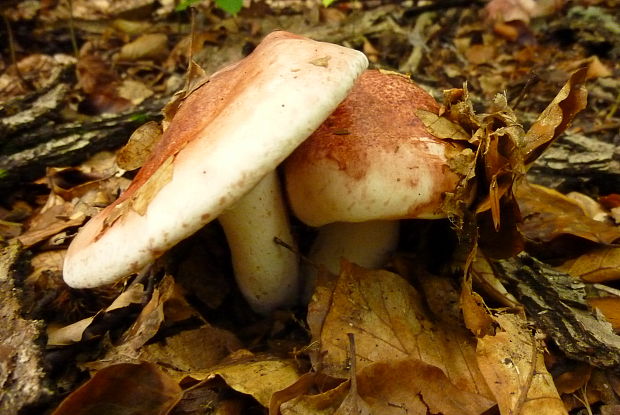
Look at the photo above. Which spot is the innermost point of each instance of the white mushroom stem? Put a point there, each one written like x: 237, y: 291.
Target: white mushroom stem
x: 368, y: 244
x: 266, y: 272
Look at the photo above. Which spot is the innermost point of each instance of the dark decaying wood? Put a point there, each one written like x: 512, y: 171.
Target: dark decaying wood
x: 33, y: 143
x: 579, y: 162
x: 556, y: 302
x: 22, y: 380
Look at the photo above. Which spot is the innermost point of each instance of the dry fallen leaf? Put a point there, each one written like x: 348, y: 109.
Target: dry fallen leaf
x: 134, y: 91
x: 389, y: 322
x: 138, y: 149
x: 138, y: 389
x: 148, y: 46
x: 56, y: 216
x: 514, y: 368
x: 325, y: 403
x: 476, y: 316
x: 191, y: 350
x: 73, y: 333
x: 547, y: 214
x: 483, y: 277
x: 598, y: 265
x: 415, y: 388
x: 258, y: 376
x: 571, y: 99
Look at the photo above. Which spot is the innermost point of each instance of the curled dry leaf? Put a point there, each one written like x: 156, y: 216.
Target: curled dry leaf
x: 571, y: 99
x: 148, y: 46
x: 475, y: 314
x: 56, y: 216
x: 498, y: 141
x: 73, y: 333
x: 189, y: 350
x: 501, y: 144
x: 547, y: 214
x: 591, y: 207
x: 514, y: 368
x: 137, y: 150
x: 442, y: 127
x: 139, y: 389
x: 389, y: 321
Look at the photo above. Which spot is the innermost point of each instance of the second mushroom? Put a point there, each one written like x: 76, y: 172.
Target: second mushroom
x: 369, y: 164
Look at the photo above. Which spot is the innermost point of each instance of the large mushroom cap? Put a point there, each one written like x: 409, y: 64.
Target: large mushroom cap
x: 225, y: 138
x: 373, y: 158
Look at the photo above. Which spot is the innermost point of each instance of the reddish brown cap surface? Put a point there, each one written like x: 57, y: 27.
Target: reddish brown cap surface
x: 373, y: 158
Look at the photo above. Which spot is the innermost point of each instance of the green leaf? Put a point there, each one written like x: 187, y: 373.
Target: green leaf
x: 230, y: 6
x: 139, y: 117
x: 327, y: 3
x: 184, y: 4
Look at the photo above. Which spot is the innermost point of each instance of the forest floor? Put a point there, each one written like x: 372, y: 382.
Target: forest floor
x: 511, y: 306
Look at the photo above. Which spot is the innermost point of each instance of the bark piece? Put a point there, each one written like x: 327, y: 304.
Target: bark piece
x: 22, y: 379
x: 556, y: 302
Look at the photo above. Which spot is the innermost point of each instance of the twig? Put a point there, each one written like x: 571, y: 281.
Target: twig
x: 18, y: 72
x: 72, y: 30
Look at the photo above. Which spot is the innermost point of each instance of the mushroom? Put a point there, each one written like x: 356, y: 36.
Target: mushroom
x: 369, y: 164
x: 224, y: 141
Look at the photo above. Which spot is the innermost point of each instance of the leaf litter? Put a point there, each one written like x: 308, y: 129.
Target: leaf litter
x: 455, y: 340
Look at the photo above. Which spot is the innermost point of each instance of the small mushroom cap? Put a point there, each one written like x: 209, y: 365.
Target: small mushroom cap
x: 373, y: 158
x: 226, y: 136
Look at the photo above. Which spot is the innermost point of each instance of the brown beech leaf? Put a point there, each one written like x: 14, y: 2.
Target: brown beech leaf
x: 591, y: 207
x: 598, y: 265
x: 148, y: 46
x: 571, y: 99
x: 515, y: 370
x: 258, y: 376
x: 413, y: 387
x: 137, y: 389
x: 191, y: 350
x: 56, y: 216
x: 389, y: 322
x: 574, y: 378
x: 548, y: 214
x: 138, y: 149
